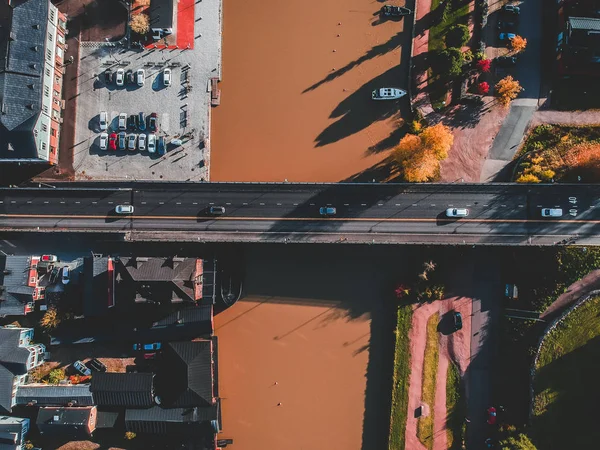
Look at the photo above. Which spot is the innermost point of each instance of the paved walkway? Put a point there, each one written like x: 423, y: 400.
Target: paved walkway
x: 577, y: 290
x: 420, y: 44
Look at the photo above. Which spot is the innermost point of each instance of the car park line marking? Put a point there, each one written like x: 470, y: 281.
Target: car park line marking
x: 299, y: 219
x: 32, y: 202
x: 77, y: 203
x: 363, y: 204
x: 143, y: 203
x: 278, y: 204
x: 161, y: 203
x: 262, y: 204
x: 62, y: 203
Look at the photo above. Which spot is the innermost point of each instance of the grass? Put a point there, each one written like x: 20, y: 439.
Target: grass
x: 453, y: 16
x: 566, y: 383
x: 430, y: 368
x: 401, y: 380
x: 456, y: 408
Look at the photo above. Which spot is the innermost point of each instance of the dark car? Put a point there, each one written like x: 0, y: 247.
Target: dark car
x: 153, y: 122
x: 96, y: 366
x: 491, y: 415
x: 216, y: 210
x: 131, y: 122
x: 141, y: 121
x: 130, y: 77
x: 504, y: 25
x: 108, y: 76
x: 457, y: 317
x: 161, y: 146
x: 395, y: 11
x: 122, y: 140
x: 511, y: 9
x: 506, y: 61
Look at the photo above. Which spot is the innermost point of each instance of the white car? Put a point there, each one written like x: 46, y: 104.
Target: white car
x: 131, y: 142
x: 457, y: 212
x: 167, y: 77
x: 552, y: 212
x: 140, y: 77
x: 120, y: 78
x: 122, y: 122
x: 142, y: 142
x: 152, y: 143
x: 124, y: 209
x: 104, y: 141
x: 103, y: 121
x: 66, y: 275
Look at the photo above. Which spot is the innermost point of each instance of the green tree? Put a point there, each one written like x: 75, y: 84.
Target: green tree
x: 517, y: 442
x: 56, y: 376
x: 450, y: 62
x: 457, y: 36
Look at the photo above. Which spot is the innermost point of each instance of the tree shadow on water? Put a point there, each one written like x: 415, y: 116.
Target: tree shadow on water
x: 358, y: 110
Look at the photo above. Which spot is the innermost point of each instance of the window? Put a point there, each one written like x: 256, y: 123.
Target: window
x: 56, y: 93
x: 44, y: 127
x: 52, y: 150
x: 50, y: 38
x: 57, y: 80
x: 47, y: 71
x: 52, y: 14
x: 61, y: 38
x: 59, y: 52
x: 49, y: 53
x: 46, y: 91
x: 53, y: 132
x: 43, y: 146
x: 45, y: 109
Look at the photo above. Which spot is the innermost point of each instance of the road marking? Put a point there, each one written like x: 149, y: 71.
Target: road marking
x: 262, y: 204
x: 295, y: 204
x: 346, y: 204
x: 9, y: 243
x: 486, y: 205
x: 29, y: 201
x: 228, y: 203
x: 278, y: 204
x: 12, y: 201
x: 94, y: 203
x: 521, y: 206
x: 110, y: 203
x: 415, y: 204
x: 46, y: 202
x: 398, y: 204
x: 178, y: 203
x: 379, y: 204
x: 312, y: 204
x: 363, y: 204
x: 77, y: 203
x: 433, y: 204
x: 504, y: 206
x: 245, y: 204
x: 194, y: 203
x: 161, y: 203
x: 62, y: 203
x: 143, y: 203
x: 1, y: 201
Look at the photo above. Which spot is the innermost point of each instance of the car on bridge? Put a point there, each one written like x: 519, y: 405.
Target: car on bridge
x: 124, y: 209
x: 327, y: 211
x: 457, y: 212
x: 552, y: 212
x: 216, y: 210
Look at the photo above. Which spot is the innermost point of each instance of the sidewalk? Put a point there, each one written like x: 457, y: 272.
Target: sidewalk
x: 420, y: 100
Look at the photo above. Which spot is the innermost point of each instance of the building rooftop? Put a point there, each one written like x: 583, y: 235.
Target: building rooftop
x: 584, y: 23
x: 123, y: 389
x: 49, y: 395
x: 66, y: 422
x: 161, y: 13
x: 14, y: 291
x: 170, y: 420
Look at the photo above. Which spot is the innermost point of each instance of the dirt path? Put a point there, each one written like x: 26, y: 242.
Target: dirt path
x: 577, y: 290
x: 453, y: 347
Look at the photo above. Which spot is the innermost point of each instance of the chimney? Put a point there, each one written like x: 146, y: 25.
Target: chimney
x: 12, y: 36
x: 31, y: 86
x: 36, y: 26
x: 34, y: 48
x: 30, y: 106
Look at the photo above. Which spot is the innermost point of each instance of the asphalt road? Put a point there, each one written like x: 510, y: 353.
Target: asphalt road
x: 288, y: 212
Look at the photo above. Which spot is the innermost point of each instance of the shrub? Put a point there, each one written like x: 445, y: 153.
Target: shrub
x: 416, y: 127
x: 507, y: 90
x: 56, y: 376
x: 140, y: 23
x: 50, y: 320
x: 468, y: 55
x: 457, y: 36
x: 129, y: 435
x: 483, y: 88
x: 484, y: 65
x: 547, y: 175
x: 528, y: 178
x: 450, y: 62
x: 518, y: 44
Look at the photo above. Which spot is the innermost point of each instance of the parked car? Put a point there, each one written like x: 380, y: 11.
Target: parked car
x: 108, y: 76
x: 140, y: 77
x: 176, y: 142
x: 112, y: 141
x: 131, y: 125
x: 506, y: 61
x: 142, y: 142
x: 82, y: 368
x: 49, y: 258
x: 327, y: 211
x: 153, y: 122
x: 131, y: 142
x: 103, y: 141
x: 152, y: 143
x: 150, y: 355
x: 141, y: 121
x: 124, y: 209
x: 216, y: 210
x: 148, y: 347
x: 395, y: 11
x: 66, y: 275
x: 103, y: 120
x: 491, y: 415
x: 167, y: 77
x: 129, y: 76
x: 122, y: 122
x: 552, y: 212
x: 506, y: 37
x: 504, y: 25
x: 161, y: 146
x: 457, y: 318
x: 53, y: 275
x: 120, y: 78
x: 122, y: 140
x: 511, y: 9
x: 457, y: 212
x: 96, y: 365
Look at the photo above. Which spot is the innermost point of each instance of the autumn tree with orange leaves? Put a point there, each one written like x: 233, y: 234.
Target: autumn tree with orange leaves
x: 507, y: 90
x: 420, y: 156
x: 518, y: 44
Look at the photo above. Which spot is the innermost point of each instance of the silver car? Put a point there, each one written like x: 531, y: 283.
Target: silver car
x: 131, y: 141
x: 167, y: 77
x: 457, y: 212
x: 142, y: 142
x: 120, y: 78
x: 140, y: 77
x: 124, y: 209
x: 122, y: 122
x: 152, y: 143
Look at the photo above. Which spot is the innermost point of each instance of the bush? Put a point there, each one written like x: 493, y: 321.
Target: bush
x: 528, y: 178
x: 483, y: 88
x: 450, y: 62
x: 129, y: 435
x: 484, y: 65
x: 457, y: 36
x: 415, y: 127
x: 56, y: 376
x: 51, y: 320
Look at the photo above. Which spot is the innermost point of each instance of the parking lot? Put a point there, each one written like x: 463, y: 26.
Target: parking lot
x: 182, y: 109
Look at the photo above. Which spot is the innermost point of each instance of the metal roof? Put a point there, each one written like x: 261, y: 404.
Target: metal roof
x: 123, y: 389
x: 584, y: 23
x: 49, y: 395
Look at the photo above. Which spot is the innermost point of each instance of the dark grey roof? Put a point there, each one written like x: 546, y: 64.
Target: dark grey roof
x: 14, y: 274
x: 161, y: 13
x: 48, y: 395
x: 66, y: 422
x: 95, y: 299
x: 193, y: 314
x: 11, y: 436
x: 185, y: 378
x: 123, y: 389
x: 584, y: 23
x: 12, y: 356
x: 209, y: 281
x: 6, y: 382
x: 22, y: 52
x: 168, y: 420
x: 107, y: 419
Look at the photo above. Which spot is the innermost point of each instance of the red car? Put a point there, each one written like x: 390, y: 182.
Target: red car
x: 112, y: 141
x: 491, y: 415
x: 149, y: 355
x: 49, y: 258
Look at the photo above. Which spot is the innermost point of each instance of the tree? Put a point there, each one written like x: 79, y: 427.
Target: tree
x: 140, y: 23
x: 517, y: 442
x: 129, y: 435
x: 507, y: 90
x: 483, y: 88
x: 518, y: 44
x: 438, y: 139
x: 457, y: 36
x: 528, y: 178
x: 450, y: 62
x: 484, y: 65
x: 423, y: 166
x: 50, y: 320
x: 56, y: 376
